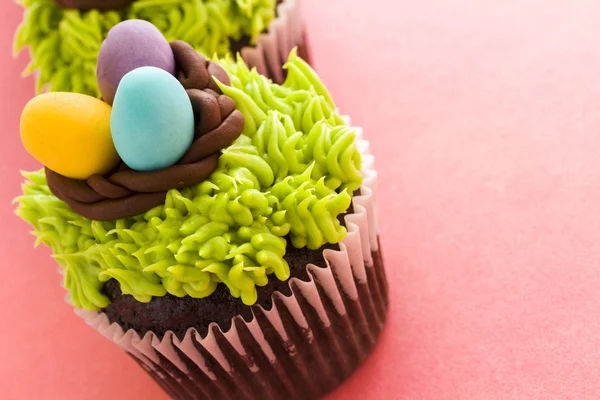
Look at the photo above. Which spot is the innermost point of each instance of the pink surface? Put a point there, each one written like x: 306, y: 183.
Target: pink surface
x: 484, y: 117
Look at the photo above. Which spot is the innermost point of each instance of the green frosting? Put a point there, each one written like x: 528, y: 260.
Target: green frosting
x: 65, y: 43
x: 289, y: 175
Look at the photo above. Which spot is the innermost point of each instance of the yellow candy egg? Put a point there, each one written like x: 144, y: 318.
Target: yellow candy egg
x: 69, y: 133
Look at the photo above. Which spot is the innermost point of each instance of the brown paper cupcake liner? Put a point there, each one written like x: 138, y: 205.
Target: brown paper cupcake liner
x: 273, y: 47
x: 302, y: 348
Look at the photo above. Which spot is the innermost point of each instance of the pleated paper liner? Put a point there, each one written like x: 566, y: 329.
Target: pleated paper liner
x: 273, y: 47
x: 302, y: 348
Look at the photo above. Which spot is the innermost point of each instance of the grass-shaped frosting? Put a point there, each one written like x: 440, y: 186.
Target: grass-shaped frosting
x: 65, y: 42
x: 288, y: 176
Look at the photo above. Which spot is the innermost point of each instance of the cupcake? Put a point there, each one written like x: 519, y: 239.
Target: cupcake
x: 64, y: 36
x: 219, y: 227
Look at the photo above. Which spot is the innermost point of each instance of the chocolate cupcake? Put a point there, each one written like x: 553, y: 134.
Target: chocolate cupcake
x: 64, y: 36
x: 246, y: 265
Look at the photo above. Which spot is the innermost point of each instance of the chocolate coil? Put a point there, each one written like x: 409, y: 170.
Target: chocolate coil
x: 124, y: 192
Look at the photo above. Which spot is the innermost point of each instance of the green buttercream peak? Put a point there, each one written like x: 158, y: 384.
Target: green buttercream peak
x: 288, y: 176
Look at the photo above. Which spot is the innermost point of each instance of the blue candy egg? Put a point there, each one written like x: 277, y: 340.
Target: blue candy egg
x: 152, y: 120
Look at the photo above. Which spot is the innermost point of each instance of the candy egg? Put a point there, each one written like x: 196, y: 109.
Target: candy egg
x: 69, y: 133
x: 129, y: 45
x: 152, y: 121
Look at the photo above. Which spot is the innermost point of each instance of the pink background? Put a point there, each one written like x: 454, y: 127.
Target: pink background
x: 484, y: 117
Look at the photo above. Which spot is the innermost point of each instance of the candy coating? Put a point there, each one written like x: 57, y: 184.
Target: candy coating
x: 152, y: 120
x: 69, y: 133
x: 129, y: 45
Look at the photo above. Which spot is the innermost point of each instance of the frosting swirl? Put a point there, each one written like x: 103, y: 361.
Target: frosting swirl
x: 124, y: 192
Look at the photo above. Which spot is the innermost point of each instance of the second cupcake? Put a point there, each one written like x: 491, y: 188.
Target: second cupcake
x: 64, y: 36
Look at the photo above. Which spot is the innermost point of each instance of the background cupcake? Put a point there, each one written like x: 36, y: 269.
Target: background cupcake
x: 64, y: 36
x: 238, y: 258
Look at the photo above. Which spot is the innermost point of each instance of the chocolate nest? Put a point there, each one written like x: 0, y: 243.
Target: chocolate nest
x: 124, y: 192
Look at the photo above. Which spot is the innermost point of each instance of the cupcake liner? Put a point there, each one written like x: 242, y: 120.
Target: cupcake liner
x: 272, y: 48
x: 301, y: 348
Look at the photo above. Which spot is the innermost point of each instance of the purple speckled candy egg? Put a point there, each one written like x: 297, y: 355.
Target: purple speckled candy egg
x: 129, y: 45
